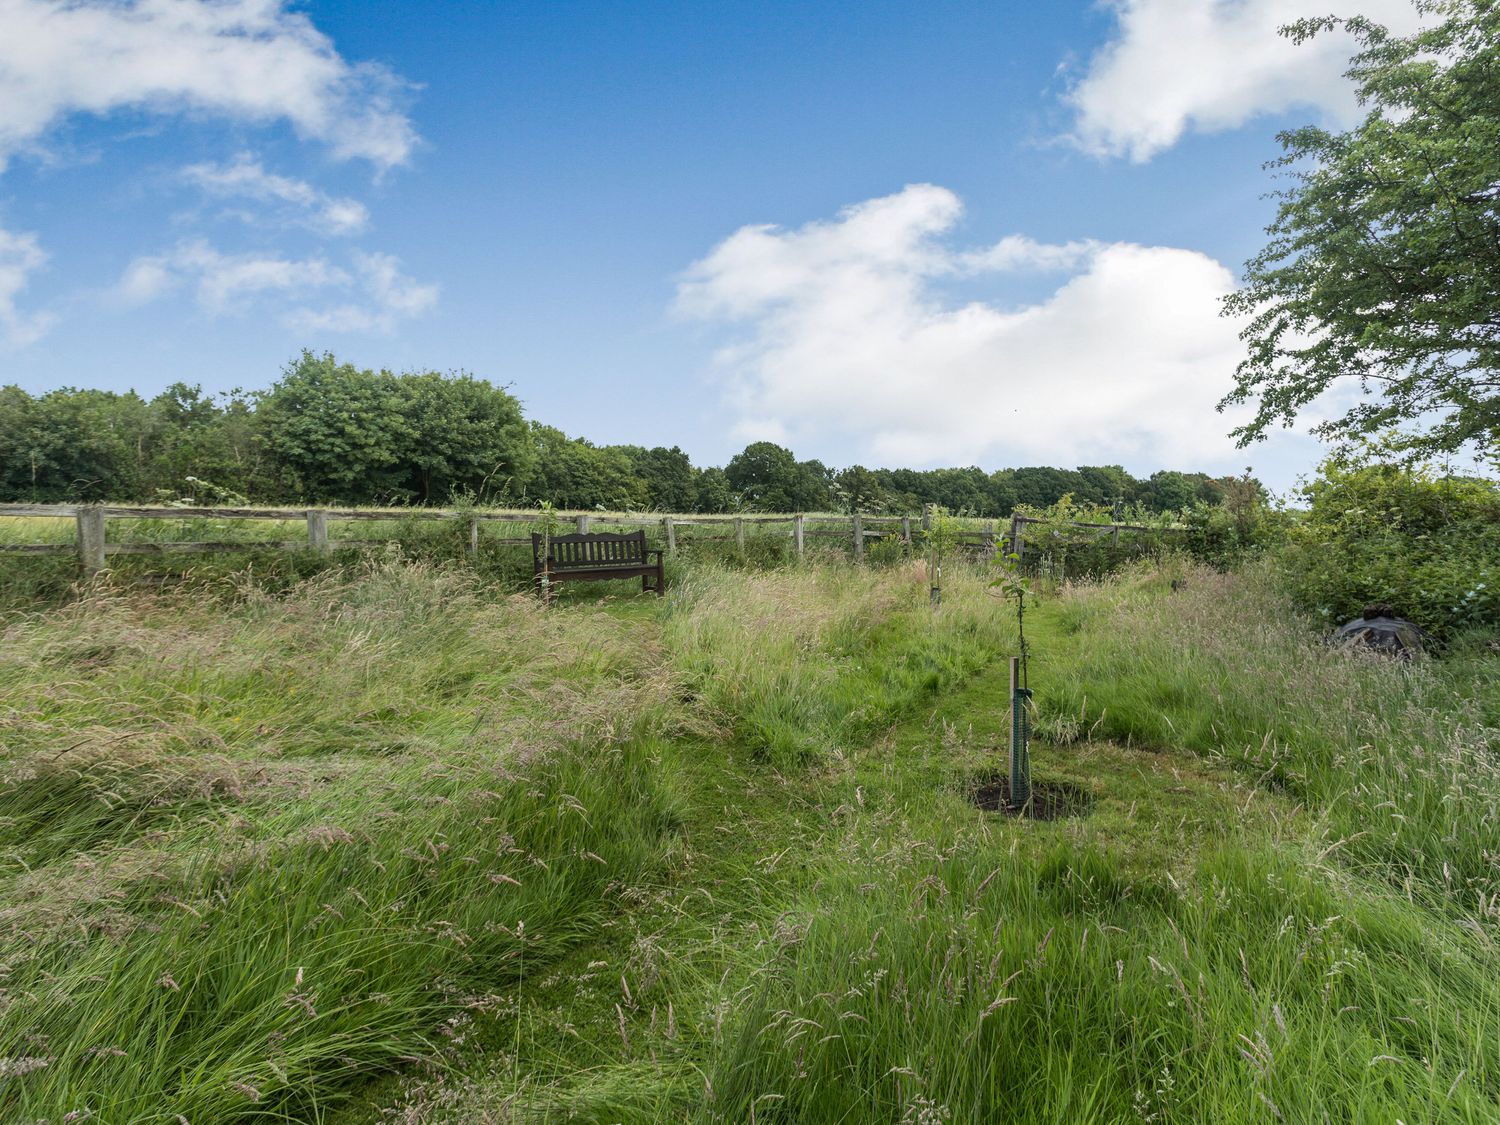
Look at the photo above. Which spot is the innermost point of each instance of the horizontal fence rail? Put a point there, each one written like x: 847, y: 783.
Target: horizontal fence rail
x: 858, y: 529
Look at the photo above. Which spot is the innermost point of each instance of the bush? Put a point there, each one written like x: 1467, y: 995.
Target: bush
x: 1241, y: 526
x: 1427, y: 545
x: 1060, y: 544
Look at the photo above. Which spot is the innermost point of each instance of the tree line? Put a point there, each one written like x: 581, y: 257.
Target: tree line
x: 332, y: 433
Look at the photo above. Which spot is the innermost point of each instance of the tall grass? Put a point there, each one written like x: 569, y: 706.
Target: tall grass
x: 1401, y: 761
x: 805, y: 663
x: 864, y: 947
x: 258, y: 847
x: 710, y: 858
x: 249, y: 857
x: 1339, y: 971
x: 967, y: 988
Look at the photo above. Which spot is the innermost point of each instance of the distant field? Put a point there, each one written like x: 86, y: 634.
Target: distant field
x: 387, y: 846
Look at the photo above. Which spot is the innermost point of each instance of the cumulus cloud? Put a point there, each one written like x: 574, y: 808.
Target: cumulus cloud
x: 378, y: 293
x: 296, y: 201
x: 1206, y: 65
x: 224, y: 282
x: 20, y: 256
x: 839, y: 329
x: 254, y: 60
x: 388, y: 296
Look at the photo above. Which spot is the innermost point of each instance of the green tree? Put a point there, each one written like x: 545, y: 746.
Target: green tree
x: 1168, y: 491
x: 338, y: 431
x: 1002, y: 493
x: 712, y: 491
x: 1384, y: 259
x: 1040, y: 486
x: 858, y: 490
x: 771, y: 479
x: 905, y: 489
x: 462, y: 435
x: 193, y: 440
x: 1424, y: 543
x: 573, y: 473
x: 1104, y: 484
x: 961, y: 490
x: 71, y: 444
x: 345, y: 434
x: 668, y: 474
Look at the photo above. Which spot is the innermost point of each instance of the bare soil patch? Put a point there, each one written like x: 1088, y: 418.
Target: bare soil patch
x: 1050, y: 800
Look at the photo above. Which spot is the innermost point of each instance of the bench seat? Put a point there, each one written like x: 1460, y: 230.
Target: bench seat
x: 596, y: 557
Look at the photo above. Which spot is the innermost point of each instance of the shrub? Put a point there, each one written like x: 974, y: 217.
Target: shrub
x: 1425, y: 544
x: 1060, y: 544
x: 1242, y: 525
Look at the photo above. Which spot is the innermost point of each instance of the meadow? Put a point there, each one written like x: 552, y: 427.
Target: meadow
x: 388, y: 843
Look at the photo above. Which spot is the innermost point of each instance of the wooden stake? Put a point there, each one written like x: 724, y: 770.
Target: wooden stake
x: 317, y: 530
x: 91, y: 539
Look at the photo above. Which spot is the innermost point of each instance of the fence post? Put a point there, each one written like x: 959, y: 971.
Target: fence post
x: 473, y: 537
x: 317, y: 530
x: 797, y: 533
x: 91, y: 538
x: 1017, y: 539
x: 926, y: 517
x: 989, y: 538
x: 583, y: 524
x: 739, y: 535
x: 666, y: 526
x: 859, y: 538
x: 906, y: 533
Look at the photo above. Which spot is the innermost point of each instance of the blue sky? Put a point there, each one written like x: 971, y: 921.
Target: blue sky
x: 890, y: 233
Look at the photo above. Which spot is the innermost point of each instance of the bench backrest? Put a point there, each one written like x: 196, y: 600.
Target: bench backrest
x: 594, y: 549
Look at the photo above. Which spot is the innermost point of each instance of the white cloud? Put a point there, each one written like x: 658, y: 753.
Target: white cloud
x: 380, y: 295
x: 301, y: 203
x: 1208, y: 65
x: 392, y: 289
x: 20, y: 256
x: 844, y: 335
x: 389, y: 296
x: 253, y: 60
x: 225, y: 282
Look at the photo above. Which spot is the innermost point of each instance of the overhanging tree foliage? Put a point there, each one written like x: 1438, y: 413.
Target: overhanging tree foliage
x: 1384, y: 258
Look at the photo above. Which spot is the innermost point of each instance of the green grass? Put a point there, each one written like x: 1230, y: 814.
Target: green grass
x: 389, y: 846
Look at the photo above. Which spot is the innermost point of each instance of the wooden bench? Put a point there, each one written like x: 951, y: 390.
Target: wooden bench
x: 595, y: 557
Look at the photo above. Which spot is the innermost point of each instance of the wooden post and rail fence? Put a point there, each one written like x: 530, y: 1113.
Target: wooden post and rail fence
x: 93, y: 546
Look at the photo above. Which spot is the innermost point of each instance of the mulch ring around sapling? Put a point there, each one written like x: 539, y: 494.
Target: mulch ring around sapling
x: 1050, y: 800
